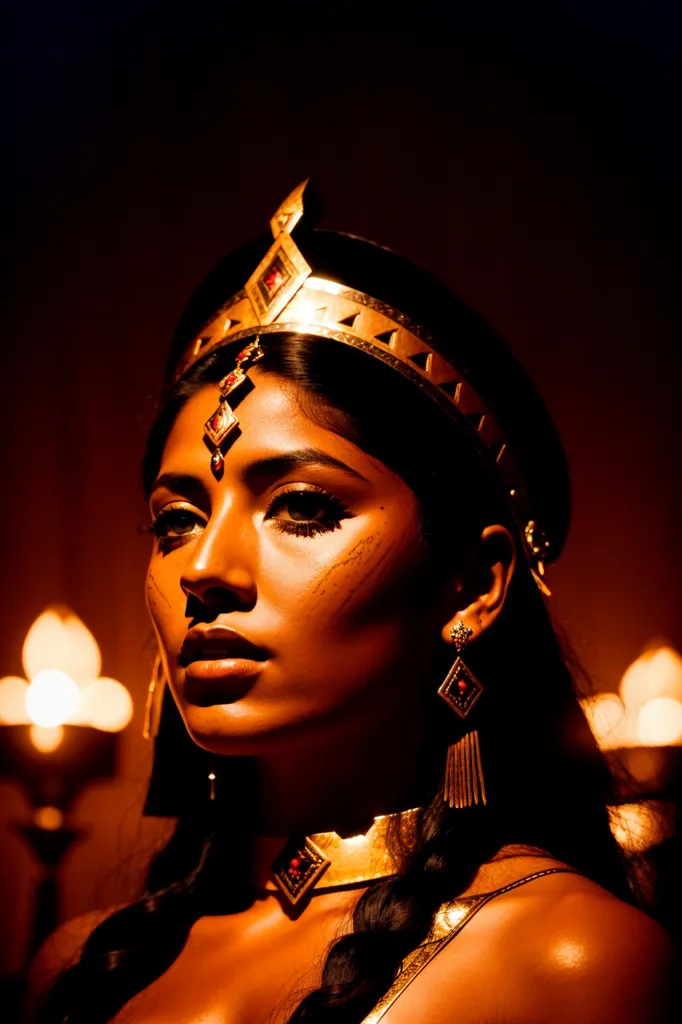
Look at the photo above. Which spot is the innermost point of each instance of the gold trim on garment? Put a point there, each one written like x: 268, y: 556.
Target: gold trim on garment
x: 448, y: 923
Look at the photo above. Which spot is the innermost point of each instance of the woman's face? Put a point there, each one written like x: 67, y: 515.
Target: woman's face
x: 286, y: 596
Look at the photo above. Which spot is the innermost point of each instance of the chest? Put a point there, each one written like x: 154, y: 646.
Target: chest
x: 250, y: 968
x: 255, y: 967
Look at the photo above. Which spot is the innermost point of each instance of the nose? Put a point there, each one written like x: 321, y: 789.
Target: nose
x: 221, y: 574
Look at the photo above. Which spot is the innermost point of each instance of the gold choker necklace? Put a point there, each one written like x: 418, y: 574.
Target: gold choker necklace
x: 325, y: 861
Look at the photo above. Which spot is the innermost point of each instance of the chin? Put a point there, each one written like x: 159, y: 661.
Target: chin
x: 233, y: 730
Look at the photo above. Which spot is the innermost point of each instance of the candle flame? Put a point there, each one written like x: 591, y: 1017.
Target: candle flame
x: 46, y: 738
x: 58, y: 639
x: 13, y: 701
x: 51, y: 698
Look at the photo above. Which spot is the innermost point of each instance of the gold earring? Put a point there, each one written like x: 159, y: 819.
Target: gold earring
x: 464, y: 783
x: 152, y: 711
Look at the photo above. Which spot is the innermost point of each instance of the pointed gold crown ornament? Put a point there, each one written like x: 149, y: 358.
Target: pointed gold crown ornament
x: 324, y: 861
x: 283, y: 295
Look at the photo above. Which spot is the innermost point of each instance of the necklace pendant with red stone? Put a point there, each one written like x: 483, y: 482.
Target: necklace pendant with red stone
x: 298, y: 867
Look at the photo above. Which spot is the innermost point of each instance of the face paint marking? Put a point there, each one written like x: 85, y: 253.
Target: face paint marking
x: 353, y: 555
x: 367, y: 575
x: 153, y: 585
x: 380, y: 568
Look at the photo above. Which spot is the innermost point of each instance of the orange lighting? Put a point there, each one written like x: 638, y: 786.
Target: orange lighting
x: 106, y: 705
x: 48, y: 818
x: 659, y: 723
x: 12, y: 701
x: 46, y: 738
x: 638, y: 827
x: 609, y: 720
x: 59, y: 640
x: 62, y: 661
x: 51, y: 698
x: 656, y: 673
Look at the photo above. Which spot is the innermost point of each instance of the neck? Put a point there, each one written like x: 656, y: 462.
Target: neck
x: 340, y: 781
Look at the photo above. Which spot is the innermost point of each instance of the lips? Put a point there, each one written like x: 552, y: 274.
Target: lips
x: 220, y: 665
x: 218, y: 643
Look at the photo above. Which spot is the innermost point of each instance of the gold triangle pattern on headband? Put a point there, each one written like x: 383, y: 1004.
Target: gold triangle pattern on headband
x: 283, y: 295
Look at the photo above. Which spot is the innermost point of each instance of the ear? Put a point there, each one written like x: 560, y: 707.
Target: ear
x: 482, y: 587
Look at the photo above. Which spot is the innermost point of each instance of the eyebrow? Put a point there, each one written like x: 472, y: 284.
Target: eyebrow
x: 270, y: 466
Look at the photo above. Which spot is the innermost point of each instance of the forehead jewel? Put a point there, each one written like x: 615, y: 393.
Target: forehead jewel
x: 283, y: 294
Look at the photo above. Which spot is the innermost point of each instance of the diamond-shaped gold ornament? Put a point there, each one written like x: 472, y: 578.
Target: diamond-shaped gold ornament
x: 298, y: 867
x: 460, y: 689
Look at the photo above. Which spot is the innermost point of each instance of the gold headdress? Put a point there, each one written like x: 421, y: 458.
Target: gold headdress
x: 284, y: 295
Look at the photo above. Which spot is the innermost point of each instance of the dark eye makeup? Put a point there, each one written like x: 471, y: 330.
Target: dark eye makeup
x: 173, y: 523
x: 312, y: 510
x: 300, y: 511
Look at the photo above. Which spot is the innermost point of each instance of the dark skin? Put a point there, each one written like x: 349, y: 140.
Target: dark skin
x: 328, y: 586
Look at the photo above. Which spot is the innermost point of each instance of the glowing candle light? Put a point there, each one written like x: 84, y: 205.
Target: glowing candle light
x: 51, y: 698
x: 46, y: 738
x: 656, y: 673
x: 609, y: 720
x: 638, y: 827
x: 58, y: 639
x: 49, y: 818
x: 12, y: 701
x: 106, y: 705
x: 659, y: 722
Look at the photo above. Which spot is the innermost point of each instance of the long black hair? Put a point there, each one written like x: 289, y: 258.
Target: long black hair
x: 548, y: 785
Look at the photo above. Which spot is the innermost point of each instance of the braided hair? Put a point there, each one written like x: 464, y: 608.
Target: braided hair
x: 548, y: 785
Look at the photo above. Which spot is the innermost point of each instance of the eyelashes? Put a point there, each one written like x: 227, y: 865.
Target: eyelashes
x: 310, y: 510
x: 302, y: 503
x: 174, y: 524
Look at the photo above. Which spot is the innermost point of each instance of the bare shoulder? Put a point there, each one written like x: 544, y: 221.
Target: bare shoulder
x: 592, y: 956
x: 559, y: 949
x: 59, y: 952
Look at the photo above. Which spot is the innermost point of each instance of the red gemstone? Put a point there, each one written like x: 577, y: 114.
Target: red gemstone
x: 294, y: 862
x: 231, y: 378
x: 462, y: 686
x: 273, y: 279
x: 216, y: 421
x: 217, y: 461
x: 243, y: 354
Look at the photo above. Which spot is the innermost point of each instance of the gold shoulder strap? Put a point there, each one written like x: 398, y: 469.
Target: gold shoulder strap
x: 448, y: 923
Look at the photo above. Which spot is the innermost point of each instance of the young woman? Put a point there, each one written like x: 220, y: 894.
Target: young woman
x: 390, y: 807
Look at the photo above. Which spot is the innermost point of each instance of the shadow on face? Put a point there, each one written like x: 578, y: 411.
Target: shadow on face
x: 285, y: 595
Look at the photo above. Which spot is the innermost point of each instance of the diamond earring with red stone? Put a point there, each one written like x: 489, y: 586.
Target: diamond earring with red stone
x: 463, y: 784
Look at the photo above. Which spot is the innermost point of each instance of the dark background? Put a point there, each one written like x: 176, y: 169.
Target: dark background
x: 525, y: 154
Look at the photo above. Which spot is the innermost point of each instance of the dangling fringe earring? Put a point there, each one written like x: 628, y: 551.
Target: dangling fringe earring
x: 464, y: 784
x: 211, y: 780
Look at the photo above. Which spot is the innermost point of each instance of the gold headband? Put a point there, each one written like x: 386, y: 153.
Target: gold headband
x: 282, y: 295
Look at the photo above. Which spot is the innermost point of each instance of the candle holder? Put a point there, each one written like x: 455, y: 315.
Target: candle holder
x: 58, y: 733
x: 639, y: 729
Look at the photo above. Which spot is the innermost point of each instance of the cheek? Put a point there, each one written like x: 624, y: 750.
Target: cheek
x: 364, y: 577
x: 352, y: 585
x: 157, y: 593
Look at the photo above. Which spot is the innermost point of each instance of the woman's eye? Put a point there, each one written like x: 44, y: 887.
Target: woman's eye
x: 175, y: 523
x: 306, y: 513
